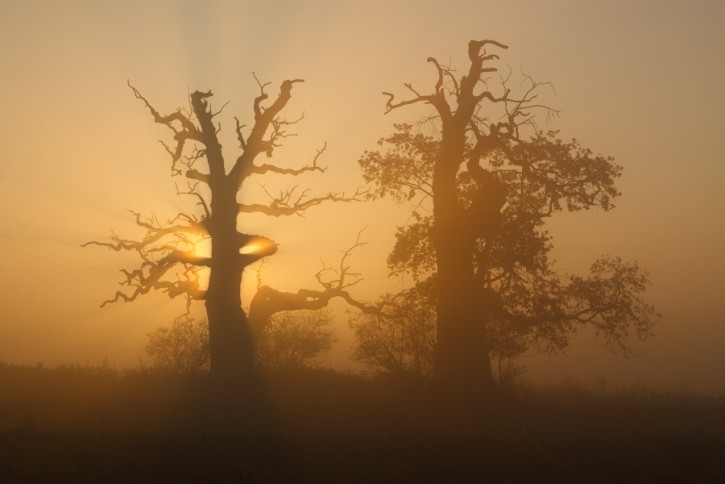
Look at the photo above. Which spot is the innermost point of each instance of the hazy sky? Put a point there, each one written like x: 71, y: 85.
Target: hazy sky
x: 639, y: 80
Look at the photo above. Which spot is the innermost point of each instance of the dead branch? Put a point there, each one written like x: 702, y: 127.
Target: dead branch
x: 339, y: 282
x: 518, y: 112
x: 149, y: 276
x: 268, y: 301
x: 262, y: 96
x: 475, y: 46
x: 462, y: 91
x: 289, y: 204
x: 240, y: 136
x: 154, y: 232
x: 263, y: 119
x: 185, y: 131
x: 192, y: 191
x: 268, y: 168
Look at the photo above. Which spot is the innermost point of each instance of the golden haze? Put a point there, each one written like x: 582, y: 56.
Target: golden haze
x: 638, y: 80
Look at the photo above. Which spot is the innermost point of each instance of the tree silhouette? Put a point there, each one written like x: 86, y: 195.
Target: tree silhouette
x: 169, y: 246
x: 483, y: 186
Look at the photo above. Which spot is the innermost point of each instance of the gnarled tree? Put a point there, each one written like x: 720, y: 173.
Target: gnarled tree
x: 166, y: 247
x: 483, y: 187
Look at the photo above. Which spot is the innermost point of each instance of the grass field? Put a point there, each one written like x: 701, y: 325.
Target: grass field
x: 100, y: 425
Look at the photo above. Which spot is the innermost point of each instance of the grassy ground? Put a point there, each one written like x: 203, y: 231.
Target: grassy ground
x: 96, y: 425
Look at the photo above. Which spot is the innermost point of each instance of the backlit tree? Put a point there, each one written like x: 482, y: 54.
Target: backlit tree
x: 169, y: 261
x: 483, y: 186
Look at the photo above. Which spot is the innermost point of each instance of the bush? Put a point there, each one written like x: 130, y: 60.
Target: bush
x: 290, y: 339
x: 295, y: 339
x: 183, y: 347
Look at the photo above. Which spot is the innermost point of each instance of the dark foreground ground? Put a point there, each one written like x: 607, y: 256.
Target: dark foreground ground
x: 84, y: 425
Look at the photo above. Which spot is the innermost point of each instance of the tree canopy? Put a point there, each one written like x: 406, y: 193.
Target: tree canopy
x: 483, y: 179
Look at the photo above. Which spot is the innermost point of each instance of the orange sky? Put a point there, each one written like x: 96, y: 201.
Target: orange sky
x: 638, y: 80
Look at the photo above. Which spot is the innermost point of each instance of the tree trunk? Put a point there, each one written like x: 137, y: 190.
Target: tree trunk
x: 462, y: 363
x: 230, y: 342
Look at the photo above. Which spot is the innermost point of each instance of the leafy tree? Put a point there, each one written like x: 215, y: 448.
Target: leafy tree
x: 168, y: 259
x: 483, y: 186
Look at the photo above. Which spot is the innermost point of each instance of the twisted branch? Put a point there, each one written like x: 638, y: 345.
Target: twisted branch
x: 268, y: 301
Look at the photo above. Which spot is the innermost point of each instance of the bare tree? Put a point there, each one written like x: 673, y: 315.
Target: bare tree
x: 399, y: 337
x: 295, y: 339
x: 183, y: 347
x: 196, y: 154
x: 491, y: 178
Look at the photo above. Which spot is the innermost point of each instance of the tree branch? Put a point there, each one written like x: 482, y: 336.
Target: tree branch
x: 475, y: 46
x: 187, y: 130
x: 154, y: 233
x: 198, y: 176
x: 263, y: 118
x: 268, y: 301
x: 286, y: 204
x: 267, y: 168
x: 148, y: 277
x: 339, y: 282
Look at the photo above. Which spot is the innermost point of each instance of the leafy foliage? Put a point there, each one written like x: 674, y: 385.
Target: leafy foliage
x: 529, y: 304
x: 404, y: 170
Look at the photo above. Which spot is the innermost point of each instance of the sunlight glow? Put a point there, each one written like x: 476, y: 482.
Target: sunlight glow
x: 258, y: 246
x: 615, y: 93
x: 202, y: 248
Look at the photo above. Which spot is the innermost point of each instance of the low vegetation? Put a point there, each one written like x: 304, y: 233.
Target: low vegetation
x: 83, y: 424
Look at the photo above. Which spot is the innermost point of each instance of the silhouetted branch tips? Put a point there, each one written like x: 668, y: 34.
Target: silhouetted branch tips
x: 439, y: 83
x: 240, y: 136
x: 475, y: 46
x: 258, y: 104
x: 220, y: 109
x: 179, y: 123
x: 389, y: 104
x: 341, y: 277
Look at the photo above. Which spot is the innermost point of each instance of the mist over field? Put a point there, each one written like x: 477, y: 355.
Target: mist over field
x: 385, y: 242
